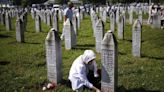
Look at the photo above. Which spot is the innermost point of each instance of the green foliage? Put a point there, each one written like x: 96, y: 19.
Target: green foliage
x: 27, y: 2
x: 23, y: 65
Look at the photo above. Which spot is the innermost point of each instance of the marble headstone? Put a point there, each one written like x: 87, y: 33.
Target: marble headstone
x: 109, y: 63
x: 157, y: 20
x: 55, y: 21
x: 69, y: 34
x: 19, y: 30
x: 121, y: 27
x: 99, y: 31
x: 131, y: 15
x: 112, y: 21
x: 8, y: 21
x: 54, y: 56
x: 140, y: 16
x: 136, y: 38
x: 75, y: 23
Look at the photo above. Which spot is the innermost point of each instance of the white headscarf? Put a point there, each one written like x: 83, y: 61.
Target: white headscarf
x: 88, y: 56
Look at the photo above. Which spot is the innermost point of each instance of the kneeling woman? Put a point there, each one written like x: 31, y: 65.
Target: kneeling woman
x: 79, y: 70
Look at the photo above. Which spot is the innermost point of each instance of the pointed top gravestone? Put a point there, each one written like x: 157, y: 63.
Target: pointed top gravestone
x: 140, y: 16
x: 131, y: 15
x: 109, y: 63
x: 112, y: 21
x: 74, y: 22
x: 54, y: 56
x: 121, y: 27
x: 99, y: 34
x: 19, y: 30
x: 136, y: 38
x: 55, y: 21
x: 8, y: 21
x: 69, y: 34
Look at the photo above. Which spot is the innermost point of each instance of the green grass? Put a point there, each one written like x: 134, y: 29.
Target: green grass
x: 23, y: 65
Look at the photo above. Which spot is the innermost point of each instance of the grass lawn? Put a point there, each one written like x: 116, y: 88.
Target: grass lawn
x: 23, y: 65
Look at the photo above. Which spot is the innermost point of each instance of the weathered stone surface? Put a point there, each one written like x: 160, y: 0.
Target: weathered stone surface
x: 75, y: 23
x: 54, y: 56
x: 69, y: 34
x: 109, y: 63
x: 99, y: 31
x: 8, y: 21
x: 157, y: 20
x: 131, y: 15
x: 121, y: 27
x: 19, y: 30
x: 112, y: 21
x: 55, y: 21
x: 136, y: 39
x: 140, y: 16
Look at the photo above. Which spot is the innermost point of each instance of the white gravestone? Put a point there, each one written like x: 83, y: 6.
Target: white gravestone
x: 104, y: 16
x: 55, y: 22
x: 99, y: 31
x: 45, y: 17
x: 54, y: 56
x: 131, y: 15
x: 3, y: 18
x: 19, y: 30
x: 109, y: 63
x: 78, y: 19
x: 136, y: 39
x: 48, y: 18
x: 69, y: 34
x: 95, y: 19
x: 8, y: 21
x: 38, y: 23
x: 112, y: 21
x: 60, y: 14
x: 157, y: 20
x: 74, y: 22
x: 124, y: 16
x: 140, y: 16
x: 121, y: 27
x: 117, y: 15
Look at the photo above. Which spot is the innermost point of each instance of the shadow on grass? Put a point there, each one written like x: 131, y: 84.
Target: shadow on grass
x: 4, y: 36
x: 4, y: 62
x: 67, y: 83
x: 129, y: 40
x: 84, y: 47
x: 121, y: 53
x: 123, y: 89
x: 32, y: 43
x: 152, y: 57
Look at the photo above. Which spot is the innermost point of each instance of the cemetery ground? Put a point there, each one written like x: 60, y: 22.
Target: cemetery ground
x: 23, y: 65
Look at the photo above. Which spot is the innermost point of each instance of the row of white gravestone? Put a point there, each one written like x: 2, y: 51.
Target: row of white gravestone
x: 21, y: 23
x: 51, y: 19
x: 6, y: 16
x: 108, y: 55
x: 5, y: 19
x: 108, y: 51
x: 54, y: 20
x: 94, y: 19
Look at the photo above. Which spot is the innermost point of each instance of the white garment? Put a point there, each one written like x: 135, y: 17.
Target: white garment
x: 78, y: 71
